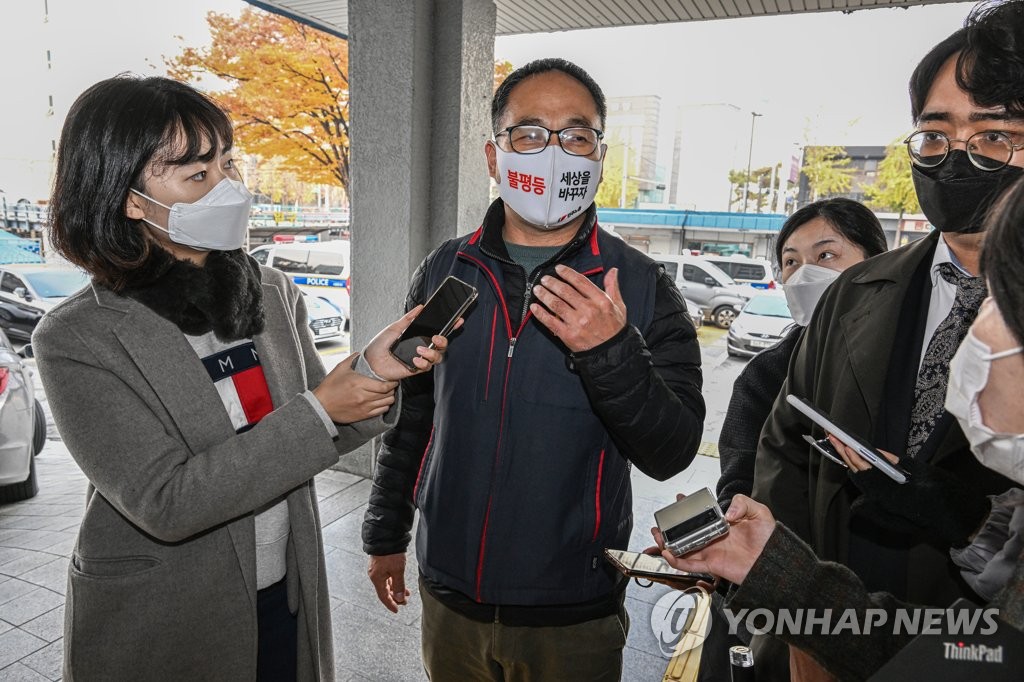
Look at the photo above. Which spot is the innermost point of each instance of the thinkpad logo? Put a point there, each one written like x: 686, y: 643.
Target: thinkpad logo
x: 978, y: 653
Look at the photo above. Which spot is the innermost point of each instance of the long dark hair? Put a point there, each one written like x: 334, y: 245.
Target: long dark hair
x: 1002, y: 256
x: 112, y: 132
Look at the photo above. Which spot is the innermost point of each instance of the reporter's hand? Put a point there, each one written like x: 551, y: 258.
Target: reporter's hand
x: 387, y: 573
x: 933, y: 502
x: 731, y: 556
x: 387, y: 366
x: 350, y: 397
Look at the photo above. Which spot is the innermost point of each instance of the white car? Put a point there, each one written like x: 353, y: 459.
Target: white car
x: 322, y: 269
x: 27, y: 292
x: 326, y: 321
x: 22, y: 427
x: 762, y: 323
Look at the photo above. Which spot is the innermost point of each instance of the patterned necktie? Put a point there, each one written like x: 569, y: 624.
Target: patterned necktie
x: 930, y: 390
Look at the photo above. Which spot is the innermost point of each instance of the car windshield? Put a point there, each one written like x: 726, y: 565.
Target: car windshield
x: 57, y: 284
x: 769, y: 306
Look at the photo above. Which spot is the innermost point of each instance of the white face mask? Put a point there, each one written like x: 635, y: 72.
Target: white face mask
x: 216, y: 222
x: 968, y: 375
x: 804, y: 289
x: 547, y: 189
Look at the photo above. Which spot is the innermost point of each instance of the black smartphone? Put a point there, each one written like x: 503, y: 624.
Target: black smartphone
x: 439, y: 315
x: 654, y: 568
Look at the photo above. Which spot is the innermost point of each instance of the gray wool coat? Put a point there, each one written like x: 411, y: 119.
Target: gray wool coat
x: 162, y: 581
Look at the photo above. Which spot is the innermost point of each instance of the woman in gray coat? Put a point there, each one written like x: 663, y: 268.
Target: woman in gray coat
x: 187, y: 388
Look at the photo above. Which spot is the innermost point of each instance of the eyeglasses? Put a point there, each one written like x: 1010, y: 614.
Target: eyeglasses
x: 531, y: 139
x: 988, y: 150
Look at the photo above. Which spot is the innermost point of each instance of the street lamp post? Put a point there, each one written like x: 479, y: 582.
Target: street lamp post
x: 750, y: 154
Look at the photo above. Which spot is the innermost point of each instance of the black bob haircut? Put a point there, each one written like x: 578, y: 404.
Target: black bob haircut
x: 501, y: 95
x: 989, y: 54
x: 1002, y: 255
x: 112, y: 132
x: 850, y: 218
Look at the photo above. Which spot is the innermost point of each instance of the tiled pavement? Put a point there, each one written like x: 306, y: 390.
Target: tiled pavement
x: 370, y: 643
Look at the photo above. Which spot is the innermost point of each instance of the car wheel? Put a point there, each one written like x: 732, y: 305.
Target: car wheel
x: 724, y: 316
x: 38, y: 430
x: 17, y: 492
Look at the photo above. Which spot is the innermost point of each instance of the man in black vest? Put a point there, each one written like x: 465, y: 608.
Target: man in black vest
x: 576, y: 361
x: 876, y: 355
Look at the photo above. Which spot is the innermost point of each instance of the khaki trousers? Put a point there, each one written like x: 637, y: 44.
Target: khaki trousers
x: 458, y: 649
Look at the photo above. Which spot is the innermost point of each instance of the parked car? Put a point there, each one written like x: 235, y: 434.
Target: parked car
x: 326, y: 321
x: 757, y: 272
x: 22, y: 427
x: 762, y: 323
x: 703, y: 283
x: 27, y: 292
x: 322, y: 269
x: 696, y: 314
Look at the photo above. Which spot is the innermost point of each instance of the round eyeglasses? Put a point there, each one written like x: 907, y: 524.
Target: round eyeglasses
x: 988, y: 150
x: 531, y: 139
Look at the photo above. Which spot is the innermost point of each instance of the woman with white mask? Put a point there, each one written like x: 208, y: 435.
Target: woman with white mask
x: 815, y: 245
x: 185, y: 384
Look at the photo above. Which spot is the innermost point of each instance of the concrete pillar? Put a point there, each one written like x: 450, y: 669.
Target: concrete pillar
x: 421, y: 74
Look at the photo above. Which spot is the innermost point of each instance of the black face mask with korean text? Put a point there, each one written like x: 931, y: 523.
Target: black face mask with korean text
x: 956, y: 195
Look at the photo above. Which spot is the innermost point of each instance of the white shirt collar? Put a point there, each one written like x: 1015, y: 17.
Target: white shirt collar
x: 944, y: 255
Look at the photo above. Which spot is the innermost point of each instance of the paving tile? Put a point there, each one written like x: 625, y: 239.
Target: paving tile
x: 49, y: 626
x: 27, y: 562
x: 339, y: 504
x: 14, y: 588
x: 376, y: 647
x: 39, y: 539
x: 347, y: 581
x: 19, y: 672
x: 23, y: 522
x: 30, y: 605
x: 640, y: 666
x: 53, y: 576
x: 16, y: 644
x: 346, y: 532
x: 48, y: 661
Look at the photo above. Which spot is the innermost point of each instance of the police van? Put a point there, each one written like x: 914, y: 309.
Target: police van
x: 321, y: 269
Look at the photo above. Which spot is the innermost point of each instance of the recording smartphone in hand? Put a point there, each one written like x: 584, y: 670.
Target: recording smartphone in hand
x: 861, y: 447
x: 438, y: 317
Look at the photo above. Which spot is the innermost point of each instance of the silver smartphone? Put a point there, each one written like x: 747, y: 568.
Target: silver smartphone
x: 866, y: 451
x: 691, y: 523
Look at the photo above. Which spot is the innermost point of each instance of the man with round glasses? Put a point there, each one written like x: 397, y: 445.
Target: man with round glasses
x: 876, y: 355
x: 576, y: 362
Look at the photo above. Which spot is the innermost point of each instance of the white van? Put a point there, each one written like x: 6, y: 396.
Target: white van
x: 757, y: 272
x: 703, y: 283
x: 321, y: 269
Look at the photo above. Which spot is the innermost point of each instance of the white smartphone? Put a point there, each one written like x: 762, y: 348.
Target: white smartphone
x: 873, y: 456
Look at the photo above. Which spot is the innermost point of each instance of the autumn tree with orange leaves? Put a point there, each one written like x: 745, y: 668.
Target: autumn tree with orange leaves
x: 286, y: 89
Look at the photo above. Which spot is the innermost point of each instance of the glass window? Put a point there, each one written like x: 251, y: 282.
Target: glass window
x: 692, y: 273
x: 9, y: 283
x: 671, y: 269
x: 260, y: 256
x: 769, y: 306
x: 57, y: 283
x: 293, y: 260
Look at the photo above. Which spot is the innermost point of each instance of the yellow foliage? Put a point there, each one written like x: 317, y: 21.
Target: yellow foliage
x: 285, y: 86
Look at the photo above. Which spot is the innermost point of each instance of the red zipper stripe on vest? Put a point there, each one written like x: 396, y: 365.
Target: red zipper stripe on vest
x: 490, y: 355
x: 423, y: 465
x: 597, y: 497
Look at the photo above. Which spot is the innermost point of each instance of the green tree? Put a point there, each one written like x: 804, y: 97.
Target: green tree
x: 828, y: 171
x: 610, y: 191
x: 763, y: 185
x: 893, y: 188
